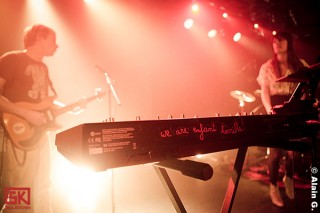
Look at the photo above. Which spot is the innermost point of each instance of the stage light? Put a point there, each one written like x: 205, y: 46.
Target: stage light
x: 212, y: 33
x: 199, y: 156
x: 188, y: 23
x: 225, y: 15
x: 81, y: 187
x: 256, y: 26
x: 237, y: 37
x: 274, y: 32
x: 195, y: 8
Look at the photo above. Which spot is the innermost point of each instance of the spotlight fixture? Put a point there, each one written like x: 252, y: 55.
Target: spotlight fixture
x: 195, y: 8
x: 212, y: 33
x: 225, y: 15
x: 188, y: 23
x: 237, y: 37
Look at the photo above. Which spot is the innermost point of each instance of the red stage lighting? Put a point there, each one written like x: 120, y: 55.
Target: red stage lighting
x: 237, y: 37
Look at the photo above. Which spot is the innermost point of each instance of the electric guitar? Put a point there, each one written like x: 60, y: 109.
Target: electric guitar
x: 26, y: 136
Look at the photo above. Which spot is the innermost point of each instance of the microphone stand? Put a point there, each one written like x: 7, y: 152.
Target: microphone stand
x: 111, y: 90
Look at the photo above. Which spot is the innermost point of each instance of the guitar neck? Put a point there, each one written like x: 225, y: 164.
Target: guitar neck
x: 74, y: 105
x: 23, y: 134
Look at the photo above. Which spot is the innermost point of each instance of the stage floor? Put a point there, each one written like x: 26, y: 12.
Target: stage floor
x: 138, y: 189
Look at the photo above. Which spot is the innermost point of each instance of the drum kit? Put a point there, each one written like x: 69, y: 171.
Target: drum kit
x: 242, y: 97
x: 245, y: 97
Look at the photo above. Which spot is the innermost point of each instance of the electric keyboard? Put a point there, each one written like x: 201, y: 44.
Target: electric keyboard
x: 118, y: 144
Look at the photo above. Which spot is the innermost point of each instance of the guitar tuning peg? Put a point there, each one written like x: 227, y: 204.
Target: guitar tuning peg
x: 251, y: 113
x: 244, y: 113
x: 111, y: 119
x: 182, y: 116
x: 217, y: 115
x: 138, y: 118
x: 170, y: 117
x: 238, y: 114
x: 158, y: 117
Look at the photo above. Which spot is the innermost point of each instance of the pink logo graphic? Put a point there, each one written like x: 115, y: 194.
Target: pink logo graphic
x: 17, y: 198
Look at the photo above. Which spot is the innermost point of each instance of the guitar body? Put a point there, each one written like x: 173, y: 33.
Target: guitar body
x: 24, y: 135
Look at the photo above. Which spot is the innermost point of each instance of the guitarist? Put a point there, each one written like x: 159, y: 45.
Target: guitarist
x: 24, y: 78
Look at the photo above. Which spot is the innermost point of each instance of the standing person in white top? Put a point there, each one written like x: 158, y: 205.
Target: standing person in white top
x: 283, y: 63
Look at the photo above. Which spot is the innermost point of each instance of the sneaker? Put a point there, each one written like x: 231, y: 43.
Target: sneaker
x: 275, y: 196
x: 288, y: 183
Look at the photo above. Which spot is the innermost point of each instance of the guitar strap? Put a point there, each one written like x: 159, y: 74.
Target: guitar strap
x: 51, y: 87
x: 16, y: 156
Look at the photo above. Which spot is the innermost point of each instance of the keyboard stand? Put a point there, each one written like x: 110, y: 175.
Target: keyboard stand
x: 234, y: 180
x: 171, y: 191
x: 231, y: 189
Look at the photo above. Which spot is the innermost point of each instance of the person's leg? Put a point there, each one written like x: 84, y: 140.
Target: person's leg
x: 2, y: 179
x: 289, y: 164
x: 273, y: 168
x: 20, y: 167
x: 288, y: 178
x: 2, y: 166
x: 43, y: 178
x: 273, y: 165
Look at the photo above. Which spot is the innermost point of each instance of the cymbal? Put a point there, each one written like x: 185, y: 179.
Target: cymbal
x: 257, y: 92
x: 303, y: 75
x: 242, y: 96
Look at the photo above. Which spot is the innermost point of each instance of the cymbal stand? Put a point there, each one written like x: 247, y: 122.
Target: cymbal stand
x: 241, y: 105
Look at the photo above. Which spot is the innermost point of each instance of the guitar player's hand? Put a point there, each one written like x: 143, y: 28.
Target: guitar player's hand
x: 36, y: 118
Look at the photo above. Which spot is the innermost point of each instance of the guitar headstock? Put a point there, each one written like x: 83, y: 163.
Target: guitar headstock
x: 82, y: 103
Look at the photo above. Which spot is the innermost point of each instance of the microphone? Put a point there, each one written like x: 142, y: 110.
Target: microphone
x: 109, y: 82
x: 99, y: 68
x: 105, y: 73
